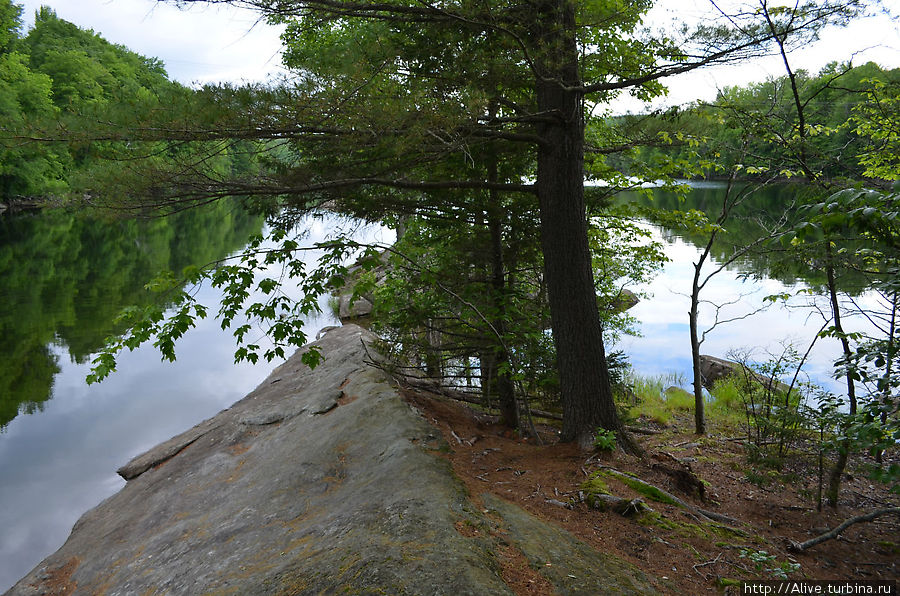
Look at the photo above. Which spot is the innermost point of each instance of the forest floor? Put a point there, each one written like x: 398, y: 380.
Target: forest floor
x: 683, y: 554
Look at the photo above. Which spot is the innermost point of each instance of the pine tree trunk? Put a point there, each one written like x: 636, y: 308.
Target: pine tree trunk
x: 581, y: 359
x: 506, y: 394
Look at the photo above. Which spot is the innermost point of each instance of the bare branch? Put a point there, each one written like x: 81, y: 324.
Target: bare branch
x: 802, y: 546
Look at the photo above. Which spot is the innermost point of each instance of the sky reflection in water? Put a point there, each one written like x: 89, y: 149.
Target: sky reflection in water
x: 60, y: 462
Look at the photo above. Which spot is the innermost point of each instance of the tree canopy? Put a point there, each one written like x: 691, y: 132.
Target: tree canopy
x: 419, y: 108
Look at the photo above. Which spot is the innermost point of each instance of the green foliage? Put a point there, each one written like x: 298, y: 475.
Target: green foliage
x: 62, y: 88
x: 774, y: 411
x: 655, y: 398
x: 861, y: 230
x: 878, y: 118
x: 440, y: 296
x: 605, y: 440
x: 27, y: 169
x: 441, y: 304
x: 753, y: 129
x: 728, y: 404
x: 10, y: 25
x: 763, y: 561
x: 267, y: 286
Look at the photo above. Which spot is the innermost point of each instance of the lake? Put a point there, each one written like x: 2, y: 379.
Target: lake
x: 663, y: 346
x: 66, y: 276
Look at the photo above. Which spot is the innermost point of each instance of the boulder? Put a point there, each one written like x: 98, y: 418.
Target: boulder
x: 318, y: 481
x: 358, y: 310
x: 625, y: 300
x: 713, y: 369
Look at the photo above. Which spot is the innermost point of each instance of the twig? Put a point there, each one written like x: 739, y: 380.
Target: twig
x: 710, y: 562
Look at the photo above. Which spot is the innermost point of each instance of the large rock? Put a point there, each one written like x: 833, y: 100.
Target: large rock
x: 319, y: 481
x: 360, y: 309
x: 713, y: 369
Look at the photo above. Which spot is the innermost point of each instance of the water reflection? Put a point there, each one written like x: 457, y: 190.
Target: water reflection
x: 664, y: 345
x: 59, y: 463
x: 66, y: 276
x: 751, y: 219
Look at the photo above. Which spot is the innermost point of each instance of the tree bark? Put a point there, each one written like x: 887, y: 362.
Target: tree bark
x: 506, y: 394
x: 581, y: 358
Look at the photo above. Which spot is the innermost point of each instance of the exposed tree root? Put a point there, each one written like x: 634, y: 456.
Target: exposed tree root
x: 625, y: 507
x: 709, y: 515
x: 685, y: 479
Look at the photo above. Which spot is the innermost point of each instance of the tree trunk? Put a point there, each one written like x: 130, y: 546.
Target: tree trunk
x: 581, y: 359
x: 834, y: 480
x: 506, y: 394
x: 693, y: 315
x: 433, y: 365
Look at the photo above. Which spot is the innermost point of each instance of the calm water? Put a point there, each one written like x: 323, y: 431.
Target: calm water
x: 65, y: 277
x: 663, y: 347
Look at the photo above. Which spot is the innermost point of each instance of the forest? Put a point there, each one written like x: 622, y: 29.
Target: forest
x: 58, y: 82
x: 736, y: 128
x: 477, y: 132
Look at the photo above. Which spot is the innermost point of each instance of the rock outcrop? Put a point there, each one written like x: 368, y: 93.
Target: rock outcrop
x: 713, y: 369
x: 360, y: 309
x: 319, y: 481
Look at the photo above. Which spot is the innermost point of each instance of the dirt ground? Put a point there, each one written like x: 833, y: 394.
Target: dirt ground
x: 683, y: 554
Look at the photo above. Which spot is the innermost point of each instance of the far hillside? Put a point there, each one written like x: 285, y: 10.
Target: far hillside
x: 754, y: 127
x: 73, y: 83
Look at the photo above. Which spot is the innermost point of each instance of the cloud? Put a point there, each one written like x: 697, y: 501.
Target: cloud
x: 199, y: 44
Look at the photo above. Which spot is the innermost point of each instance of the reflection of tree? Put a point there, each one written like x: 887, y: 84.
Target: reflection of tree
x: 66, y: 277
x: 26, y: 378
x: 745, y: 227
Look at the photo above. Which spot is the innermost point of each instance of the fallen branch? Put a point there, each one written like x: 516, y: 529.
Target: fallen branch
x: 435, y: 387
x: 802, y: 546
x: 710, y: 562
x: 558, y: 503
x: 639, y: 430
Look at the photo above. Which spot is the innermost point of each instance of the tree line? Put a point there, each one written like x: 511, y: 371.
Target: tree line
x: 61, y: 85
x: 751, y: 127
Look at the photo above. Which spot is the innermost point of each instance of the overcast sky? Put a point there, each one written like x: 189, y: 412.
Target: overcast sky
x: 198, y: 45
x: 218, y: 43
